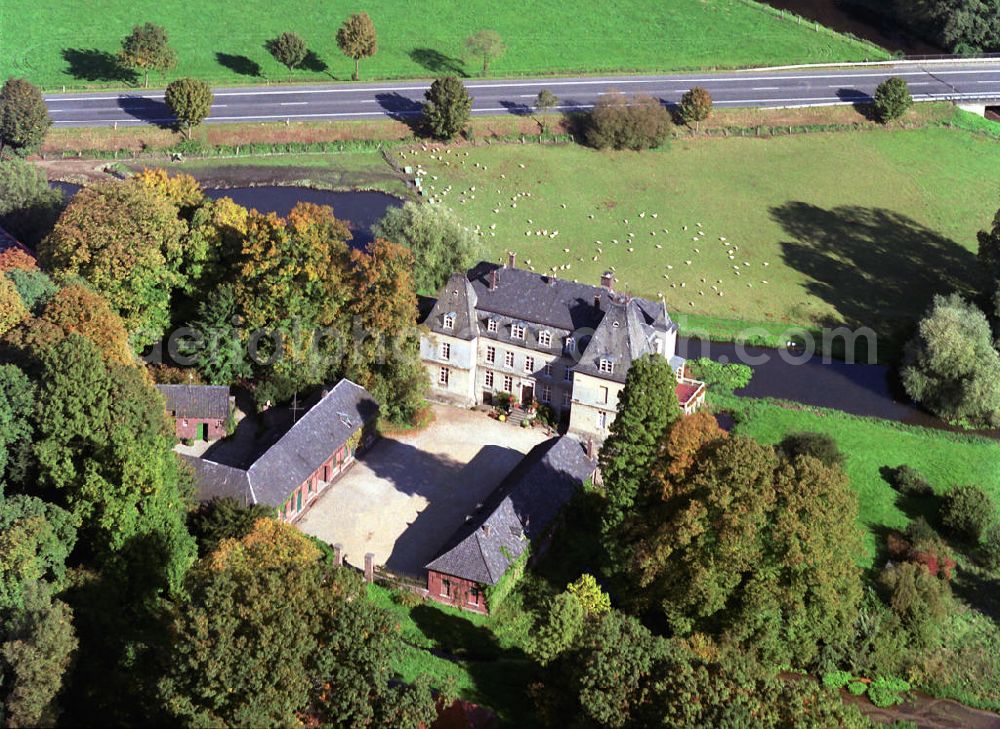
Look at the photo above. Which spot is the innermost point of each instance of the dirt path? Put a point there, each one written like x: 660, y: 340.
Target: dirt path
x: 77, y: 171
x: 928, y: 713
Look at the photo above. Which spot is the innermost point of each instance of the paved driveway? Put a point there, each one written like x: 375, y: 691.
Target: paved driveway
x: 409, y: 493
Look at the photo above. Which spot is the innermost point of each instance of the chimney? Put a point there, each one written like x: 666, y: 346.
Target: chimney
x: 511, y: 259
x: 591, y: 451
x: 597, y: 301
x: 607, y: 280
x: 486, y: 529
x: 494, y: 279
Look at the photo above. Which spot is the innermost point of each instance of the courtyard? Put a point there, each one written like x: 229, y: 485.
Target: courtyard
x: 406, y: 495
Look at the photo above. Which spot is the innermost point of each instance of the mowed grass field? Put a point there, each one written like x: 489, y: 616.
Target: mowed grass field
x: 869, y: 445
x: 846, y: 227
x: 55, y: 43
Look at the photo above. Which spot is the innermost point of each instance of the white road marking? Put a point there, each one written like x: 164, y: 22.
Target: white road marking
x: 293, y: 103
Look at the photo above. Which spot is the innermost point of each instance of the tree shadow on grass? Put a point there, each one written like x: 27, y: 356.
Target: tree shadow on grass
x: 876, y: 267
x: 315, y: 64
x: 91, y: 64
x: 239, y: 64
x: 437, y: 62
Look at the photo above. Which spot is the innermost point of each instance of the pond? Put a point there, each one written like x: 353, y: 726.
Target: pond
x: 362, y: 209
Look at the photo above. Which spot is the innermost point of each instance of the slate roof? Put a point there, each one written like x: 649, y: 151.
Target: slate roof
x: 525, y: 503
x: 208, y: 402
x: 622, y: 337
x: 458, y: 300
x: 299, y: 453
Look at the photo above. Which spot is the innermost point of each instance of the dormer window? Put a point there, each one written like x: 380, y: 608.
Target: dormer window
x: 449, y: 321
x: 605, y: 365
x: 491, y: 325
x: 570, y: 345
x: 544, y: 339
x: 658, y: 345
x: 517, y: 331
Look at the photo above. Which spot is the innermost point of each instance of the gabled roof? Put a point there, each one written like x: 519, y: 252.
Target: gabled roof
x: 458, y: 300
x: 298, y: 454
x: 209, y: 402
x: 517, y: 512
x: 622, y: 337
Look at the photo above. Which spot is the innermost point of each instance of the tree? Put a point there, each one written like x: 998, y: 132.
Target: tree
x: 333, y: 658
x: 989, y: 259
x: 950, y: 365
x: 12, y: 309
x: 892, y: 99
x: 696, y: 105
x: 24, y: 118
x: 545, y: 102
x: 439, y: 242
x: 593, y: 599
x: 966, y: 511
x: 37, y: 648
x: 821, y: 446
x: 560, y: 629
x: 356, y: 39
x: 190, y: 101
x: 104, y: 451
x: 386, y: 360
x: 17, y: 407
x: 921, y: 601
x: 36, y: 538
x: 147, y: 49
x: 221, y: 519
x: 991, y: 545
x: 753, y: 549
x: 617, y: 122
x: 647, y: 407
x: 687, y: 438
x: 126, y: 241
x: 28, y: 206
x: 447, y: 108
x: 487, y: 45
x: 219, y: 350
x: 289, y: 50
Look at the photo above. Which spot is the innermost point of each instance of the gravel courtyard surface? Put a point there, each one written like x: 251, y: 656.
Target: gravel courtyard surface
x: 406, y: 496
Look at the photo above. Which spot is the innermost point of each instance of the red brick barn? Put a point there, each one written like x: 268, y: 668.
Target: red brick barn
x: 200, y: 412
x: 517, y: 514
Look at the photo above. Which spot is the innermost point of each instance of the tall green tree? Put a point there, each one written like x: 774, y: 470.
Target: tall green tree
x: 289, y: 50
x: 36, y: 537
x: 147, y: 49
x: 647, y: 407
x: 486, y: 45
x: 356, y: 39
x: 696, y: 105
x: 440, y: 243
x: 190, y: 101
x: 37, y: 646
x: 218, y: 347
x: 24, y: 118
x: 126, y: 241
x: 892, y: 99
x: 447, y: 108
x: 104, y: 450
x: 951, y: 367
x: 989, y: 259
x: 17, y: 406
x: 28, y: 206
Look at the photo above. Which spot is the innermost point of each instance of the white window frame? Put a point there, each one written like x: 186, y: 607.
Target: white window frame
x: 545, y: 339
x: 570, y: 345
x: 602, y: 420
x: 448, y: 322
x: 567, y: 399
x: 548, y: 369
x: 446, y: 350
x: 488, y: 378
x: 567, y: 374
x: 491, y: 325
x: 508, y: 359
x: 517, y: 331
x: 546, y: 394
x: 444, y: 377
x: 508, y: 383
x: 605, y: 365
x: 603, y: 394
x: 491, y: 355
x: 529, y: 364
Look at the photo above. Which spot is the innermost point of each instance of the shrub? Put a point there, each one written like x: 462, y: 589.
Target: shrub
x: 892, y: 99
x: 836, y: 679
x: 620, y: 123
x: 909, y: 481
x: 561, y: 627
x: 594, y: 600
x: 920, y: 600
x: 885, y: 691
x: 24, y: 118
x: 857, y: 688
x: 966, y: 511
x: 190, y: 101
x: 407, y: 598
x: 28, y: 206
x: 991, y: 546
x: 716, y: 375
x: 820, y: 446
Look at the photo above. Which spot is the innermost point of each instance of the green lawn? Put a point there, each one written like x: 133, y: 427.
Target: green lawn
x: 857, y: 227
x: 53, y: 42
x: 869, y: 445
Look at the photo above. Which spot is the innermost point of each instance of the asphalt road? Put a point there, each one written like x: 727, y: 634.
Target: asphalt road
x: 809, y: 87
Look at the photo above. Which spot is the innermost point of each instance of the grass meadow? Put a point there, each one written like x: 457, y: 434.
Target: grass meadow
x: 55, y: 43
x: 810, y: 229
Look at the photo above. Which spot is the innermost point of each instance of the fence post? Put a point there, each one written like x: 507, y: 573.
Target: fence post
x: 338, y: 555
x: 369, y: 567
